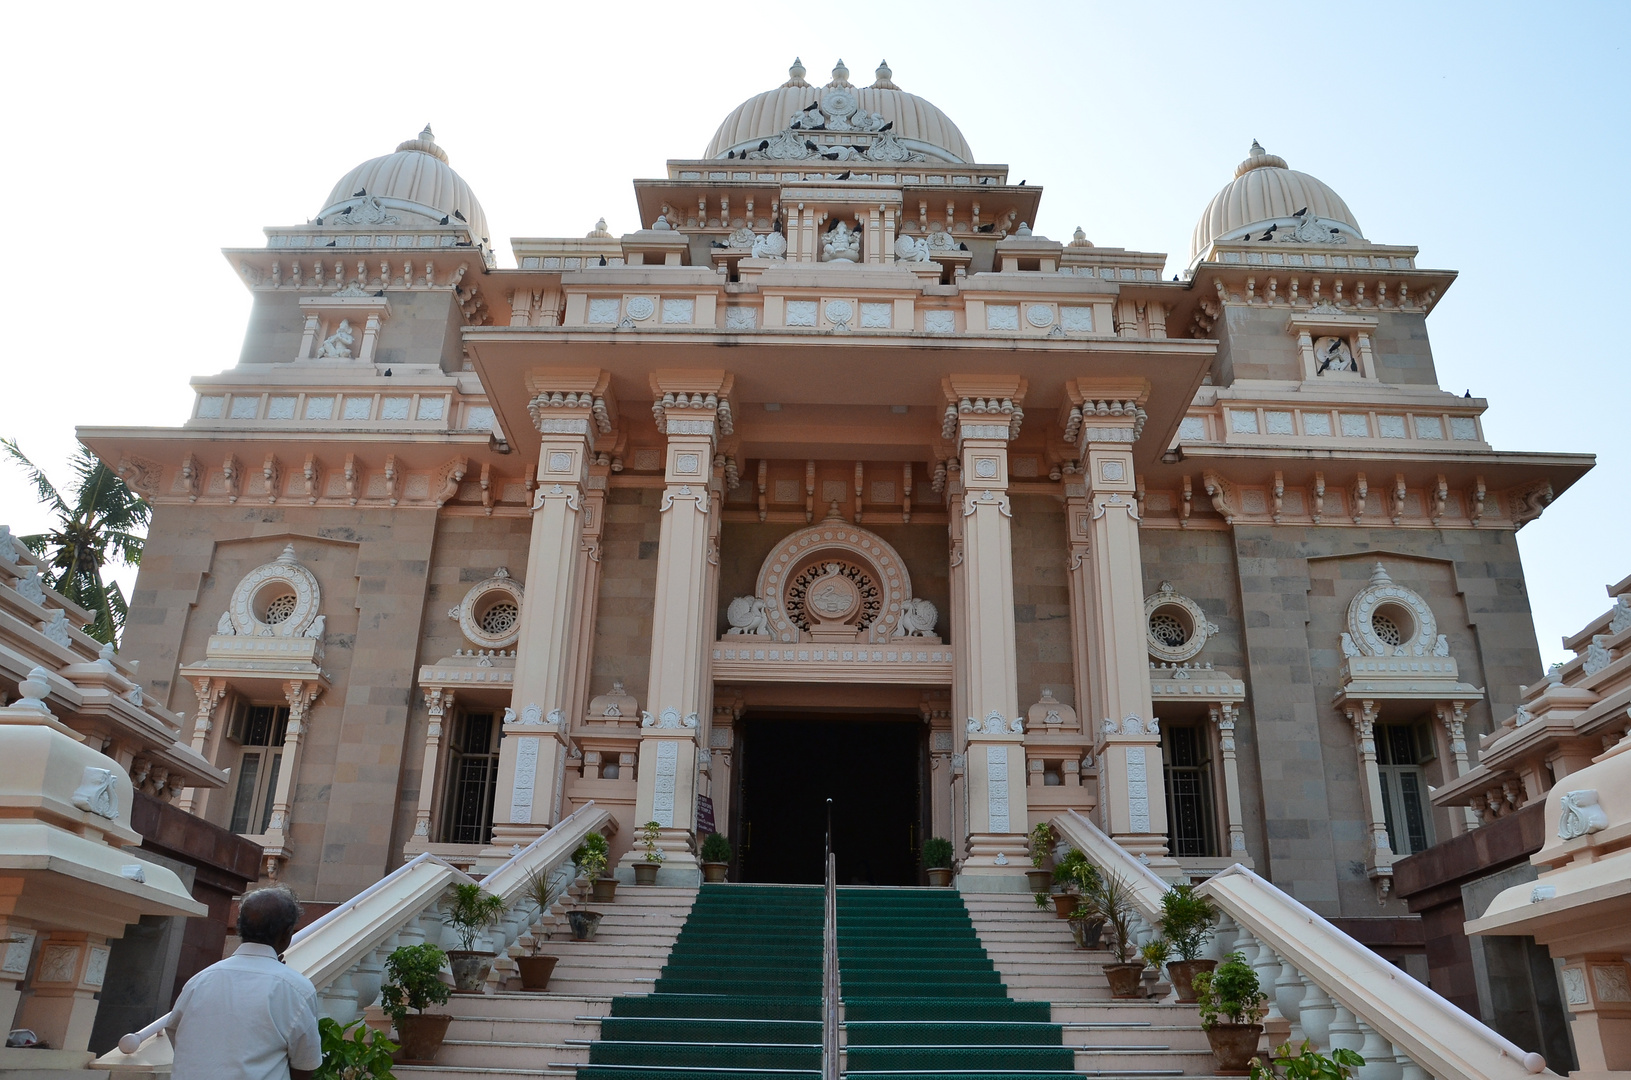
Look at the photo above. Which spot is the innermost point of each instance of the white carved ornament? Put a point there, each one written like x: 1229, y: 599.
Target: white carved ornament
x: 1363, y: 639
x: 1580, y: 814
x: 279, y: 599
x: 1176, y: 629
x: 842, y: 542
x: 489, y: 616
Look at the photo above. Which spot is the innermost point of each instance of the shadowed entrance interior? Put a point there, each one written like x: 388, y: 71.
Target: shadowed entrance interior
x: 872, y: 769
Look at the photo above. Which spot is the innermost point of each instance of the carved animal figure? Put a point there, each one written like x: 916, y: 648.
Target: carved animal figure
x: 917, y: 619
x: 747, y: 616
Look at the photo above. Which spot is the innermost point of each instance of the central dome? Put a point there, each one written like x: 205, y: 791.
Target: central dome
x: 911, y: 121
x: 1266, y: 192
x: 416, y: 181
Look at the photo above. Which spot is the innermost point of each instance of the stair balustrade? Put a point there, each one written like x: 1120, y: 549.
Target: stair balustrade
x: 343, y: 953
x: 1322, y: 984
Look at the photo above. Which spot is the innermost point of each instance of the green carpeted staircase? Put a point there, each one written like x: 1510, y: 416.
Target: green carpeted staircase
x: 923, y: 1001
x: 740, y: 995
x: 739, y: 999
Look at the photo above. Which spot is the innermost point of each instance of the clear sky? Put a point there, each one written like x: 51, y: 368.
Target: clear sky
x: 143, y: 138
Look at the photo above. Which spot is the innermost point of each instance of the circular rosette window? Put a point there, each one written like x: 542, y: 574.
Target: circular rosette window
x: 278, y: 599
x: 490, y: 614
x: 829, y: 592
x: 1388, y: 619
x: 1176, y: 627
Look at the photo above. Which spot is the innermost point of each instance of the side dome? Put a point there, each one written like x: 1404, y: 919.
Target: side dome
x: 417, y: 181
x: 1264, y: 193
x: 906, y: 119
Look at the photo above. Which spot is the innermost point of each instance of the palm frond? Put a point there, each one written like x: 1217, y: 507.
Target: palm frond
x: 42, y: 484
x: 126, y: 546
x: 38, y: 543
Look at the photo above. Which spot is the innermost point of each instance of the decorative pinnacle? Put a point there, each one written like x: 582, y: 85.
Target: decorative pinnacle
x: 885, y: 78
x: 427, y: 135
x: 795, y: 74
x: 840, y: 77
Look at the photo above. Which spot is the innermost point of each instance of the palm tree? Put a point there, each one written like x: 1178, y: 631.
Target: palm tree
x: 104, y: 523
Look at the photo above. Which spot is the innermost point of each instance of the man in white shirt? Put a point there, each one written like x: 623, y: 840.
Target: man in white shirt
x: 249, y: 1017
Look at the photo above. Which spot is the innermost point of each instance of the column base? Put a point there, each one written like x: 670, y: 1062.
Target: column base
x: 508, y: 838
x: 679, y: 868
x: 996, y: 855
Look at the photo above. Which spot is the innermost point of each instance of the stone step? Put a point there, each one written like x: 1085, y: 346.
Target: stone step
x: 522, y: 1029
x: 448, y: 1072
x: 511, y: 1054
x: 551, y: 1005
x: 1123, y: 1060
x: 1153, y: 1036
x: 1083, y: 1010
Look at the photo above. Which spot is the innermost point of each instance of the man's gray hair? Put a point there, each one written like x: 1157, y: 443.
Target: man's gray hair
x: 266, y: 915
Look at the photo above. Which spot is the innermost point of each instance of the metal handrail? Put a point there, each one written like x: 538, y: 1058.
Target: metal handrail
x: 829, y: 974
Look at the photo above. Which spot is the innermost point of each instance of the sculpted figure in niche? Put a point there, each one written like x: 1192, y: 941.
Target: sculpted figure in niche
x: 337, y: 346
x: 912, y: 249
x: 747, y: 616
x: 1333, y: 354
x: 772, y: 245
x: 917, y: 619
x: 842, y: 243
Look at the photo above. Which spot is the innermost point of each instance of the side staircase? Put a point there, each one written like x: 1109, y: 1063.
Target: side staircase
x: 512, y: 1034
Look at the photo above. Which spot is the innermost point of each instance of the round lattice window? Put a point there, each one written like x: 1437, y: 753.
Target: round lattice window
x: 871, y: 595
x: 1168, y: 629
x: 500, y: 619
x: 278, y: 609
x: 1387, y: 631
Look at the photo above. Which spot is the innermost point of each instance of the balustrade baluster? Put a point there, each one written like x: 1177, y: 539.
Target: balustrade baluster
x: 1378, y: 1055
x: 1288, y: 994
x: 1345, y: 1030
x: 1316, y: 1013
x: 1408, y: 1069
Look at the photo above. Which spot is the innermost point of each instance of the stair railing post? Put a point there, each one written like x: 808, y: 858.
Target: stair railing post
x: 829, y: 967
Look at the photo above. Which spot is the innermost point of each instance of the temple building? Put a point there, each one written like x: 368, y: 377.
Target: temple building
x: 837, y: 480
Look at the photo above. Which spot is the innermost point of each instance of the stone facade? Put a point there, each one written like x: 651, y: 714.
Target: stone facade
x: 744, y: 464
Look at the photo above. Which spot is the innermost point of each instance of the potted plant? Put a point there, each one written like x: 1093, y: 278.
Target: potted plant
x: 1086, y: 924
x: 1077, y: 878
x: 1155, y: 953
x: 591, y: 859
x: 536, y: 968
x: 1113, y: 901
x: 651, y: 856
x: 716, y: 857
x: 413, y: 981
x: 471, y: 913
x: 937, y: 859
x: 1231, y: 1004
x: 366, y: 1053
x: 1307, y: 1064
x: 1186, y: 922
x: 1040, y: 878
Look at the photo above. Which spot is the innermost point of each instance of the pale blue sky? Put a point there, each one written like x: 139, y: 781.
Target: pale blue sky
x: 142, y: 139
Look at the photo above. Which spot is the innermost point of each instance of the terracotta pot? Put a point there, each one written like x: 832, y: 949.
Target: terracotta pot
x: 535, y: 971
x: 1125, y: 980
x: 470, y: 970
x: 1086, y: 932
x: 1183, y: 973
x: 584, y: 924
x: 645, y: 873
x: 1040, y: 880
x: 1064, y: 903
x: 419, y: 1036
x: 1233, y: 1045
x: 940, y: 876
x: 714, y: 872
x: 603, y: 890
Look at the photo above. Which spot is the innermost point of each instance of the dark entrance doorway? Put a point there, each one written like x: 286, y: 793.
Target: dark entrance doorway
x: 872, y: 769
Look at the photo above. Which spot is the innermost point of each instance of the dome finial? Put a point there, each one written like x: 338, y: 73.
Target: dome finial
x: 600, y: 232
x: 1260, y: 159
x: 886, y: 79
x: 425, y: 143
x: 1080, y: 238
x: 427, y: 135
x: 795, y: 74
x: 840, y: 77
x: 1257, y: 149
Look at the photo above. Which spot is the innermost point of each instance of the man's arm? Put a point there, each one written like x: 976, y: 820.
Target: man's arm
x: 305, y: 1041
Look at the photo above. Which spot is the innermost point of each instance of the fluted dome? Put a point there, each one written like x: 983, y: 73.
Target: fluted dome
x: 416, y: 181
x: 917, y: 125
x: 1265, y: 192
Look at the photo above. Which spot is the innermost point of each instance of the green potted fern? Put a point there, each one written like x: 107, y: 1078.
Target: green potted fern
x: 651, y: 855
x: 937, y: 860
x: 366, y: 1053
x: 1232, y: 1005
x: 1307, y: 1064
x: 413, y: 983
x: 716, y: 857
x: 1039, y: 877
x: 1077, y: 878
x: 1186, y: 922
x: 471, y: 912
